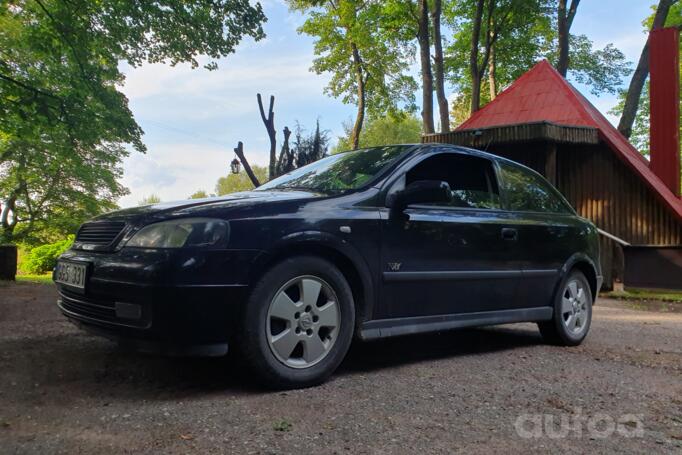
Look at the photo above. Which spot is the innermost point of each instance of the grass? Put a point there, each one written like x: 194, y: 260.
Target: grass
x: 41, y: 279
x: 282, y: 425
x: 645, y: 294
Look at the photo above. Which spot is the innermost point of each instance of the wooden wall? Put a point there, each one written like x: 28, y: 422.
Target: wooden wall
x: 604, y: 189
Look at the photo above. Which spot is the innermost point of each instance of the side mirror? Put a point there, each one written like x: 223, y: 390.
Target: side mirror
x: 420, y: 191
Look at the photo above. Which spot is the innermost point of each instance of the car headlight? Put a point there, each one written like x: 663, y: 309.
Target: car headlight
x: 187, y: 232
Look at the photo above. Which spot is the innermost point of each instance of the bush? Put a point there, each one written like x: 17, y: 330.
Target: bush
x: 42, y: 259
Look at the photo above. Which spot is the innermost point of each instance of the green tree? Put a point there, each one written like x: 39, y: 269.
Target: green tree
x: 199, y: 194
x: 233, y: 183
x: 150, y: 200
x: 513, y: 36
x: 65, y: 125
x: 386, y: 130
x: 367, y: 62
x: 494, y: 40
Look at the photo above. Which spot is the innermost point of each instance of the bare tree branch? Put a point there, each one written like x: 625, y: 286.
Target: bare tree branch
x: 269, y: 123
x: 239, y: 151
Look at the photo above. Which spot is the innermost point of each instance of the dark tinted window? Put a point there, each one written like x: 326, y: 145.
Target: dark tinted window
x: 528, y: 192
x: 471, y: 179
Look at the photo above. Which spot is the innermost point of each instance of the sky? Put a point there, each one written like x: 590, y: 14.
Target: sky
x: 193, y: 118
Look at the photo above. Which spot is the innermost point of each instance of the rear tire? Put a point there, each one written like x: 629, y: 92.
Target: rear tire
x: 298, y: 323
x: 572, y: 312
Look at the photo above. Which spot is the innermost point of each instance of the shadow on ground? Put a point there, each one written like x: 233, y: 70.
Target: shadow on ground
x: 89, y: 366
x: 392, y: 352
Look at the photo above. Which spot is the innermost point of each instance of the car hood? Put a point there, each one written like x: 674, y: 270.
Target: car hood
x: 192, y: 206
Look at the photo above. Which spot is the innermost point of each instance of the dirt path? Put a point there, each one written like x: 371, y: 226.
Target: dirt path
x: 476, y: 391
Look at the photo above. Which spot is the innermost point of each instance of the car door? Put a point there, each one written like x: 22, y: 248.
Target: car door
x: 547, y: 231
x: 449, y: 258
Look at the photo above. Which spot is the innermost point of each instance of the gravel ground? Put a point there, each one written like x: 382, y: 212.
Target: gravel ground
x: 63, y: 391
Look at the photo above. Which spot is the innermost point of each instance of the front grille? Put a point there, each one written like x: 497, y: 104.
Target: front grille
x: 99, y: 232
x: 99, y: 309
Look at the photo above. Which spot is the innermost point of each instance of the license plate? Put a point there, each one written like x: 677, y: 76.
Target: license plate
x: 70, y: 274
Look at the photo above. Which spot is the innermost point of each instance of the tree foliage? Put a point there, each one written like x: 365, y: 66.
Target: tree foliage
x: 233, y: 183
x: 65, y: 125
x: 366, y: 61
x: 199, y: 194
x: 150, y: 200
x: 305, y: 149
x: 526, y: 33
x: 43, y: 259
x: 385, y: 130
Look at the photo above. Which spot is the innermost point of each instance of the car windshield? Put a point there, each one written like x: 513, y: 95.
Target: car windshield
x: 338, y: 173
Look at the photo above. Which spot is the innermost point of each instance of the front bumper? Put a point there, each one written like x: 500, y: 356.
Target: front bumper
x: 169, y: 302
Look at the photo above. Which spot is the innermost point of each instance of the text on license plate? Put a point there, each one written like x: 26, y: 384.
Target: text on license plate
x: 70, y: 274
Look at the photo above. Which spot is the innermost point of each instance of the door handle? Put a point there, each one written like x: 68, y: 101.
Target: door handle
x: 510, y: 234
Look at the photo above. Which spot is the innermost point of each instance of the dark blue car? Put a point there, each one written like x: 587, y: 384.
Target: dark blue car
x: 370, y: 243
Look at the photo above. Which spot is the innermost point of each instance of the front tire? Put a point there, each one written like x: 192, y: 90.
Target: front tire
x: 572, y: 312
x: 298, y: 323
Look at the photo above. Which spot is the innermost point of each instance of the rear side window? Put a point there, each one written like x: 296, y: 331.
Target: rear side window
x: 528, y: 192
x: 472, y: 180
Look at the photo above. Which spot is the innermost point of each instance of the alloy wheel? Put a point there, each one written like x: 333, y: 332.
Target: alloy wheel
x: 574, y: 307
x: 303, y: 321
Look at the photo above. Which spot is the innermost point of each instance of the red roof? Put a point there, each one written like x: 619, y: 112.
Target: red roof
x: 542, y: 94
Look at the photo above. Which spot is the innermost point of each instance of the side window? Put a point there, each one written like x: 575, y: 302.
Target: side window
x: 527, y: 192
x: 471, y: 179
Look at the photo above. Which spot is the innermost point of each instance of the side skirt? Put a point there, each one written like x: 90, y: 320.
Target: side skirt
x: 383, y: 328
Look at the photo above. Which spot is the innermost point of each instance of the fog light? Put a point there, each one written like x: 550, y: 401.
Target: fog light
x: 128, y: 310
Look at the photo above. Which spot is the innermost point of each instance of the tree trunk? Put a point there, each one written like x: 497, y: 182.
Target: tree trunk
x: 627, y: 118
x: 473, y: 58
x: 360, y: 81
x: 285, y: 159
x: 491, y: 74
x: 269, y: 123
x: 439, y: 72
x: 239, y: 151
x: 425, y: 59
x: 475, y: 93
x: 565, y: 20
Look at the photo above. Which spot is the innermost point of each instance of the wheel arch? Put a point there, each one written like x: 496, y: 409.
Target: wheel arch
x: 337, y: 251
x: 586, y: 265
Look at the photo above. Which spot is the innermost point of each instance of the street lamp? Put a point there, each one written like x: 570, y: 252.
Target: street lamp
x: 235, y: 166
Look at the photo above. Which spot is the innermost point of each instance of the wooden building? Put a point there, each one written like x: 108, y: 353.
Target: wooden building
x: 545, y: 123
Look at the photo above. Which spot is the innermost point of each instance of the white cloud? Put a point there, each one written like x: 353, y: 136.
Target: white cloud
x: 174, y: 171
x: 237, y: 78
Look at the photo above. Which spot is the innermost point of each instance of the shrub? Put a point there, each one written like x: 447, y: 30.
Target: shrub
x: 42, y: 259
